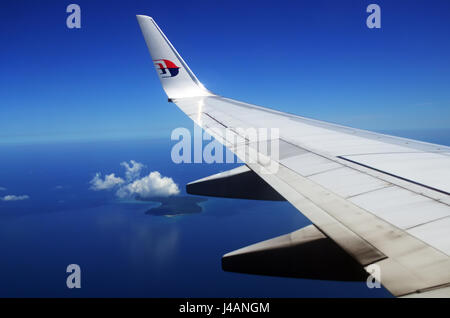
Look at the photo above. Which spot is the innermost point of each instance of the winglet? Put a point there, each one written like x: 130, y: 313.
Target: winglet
x: 176, y: 77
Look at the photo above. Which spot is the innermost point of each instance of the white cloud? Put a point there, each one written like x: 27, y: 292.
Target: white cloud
x: 150, y: 186
x: 132, y: 170
x: 110, y: 181
x: 2, y: 189
x: 12, y: 197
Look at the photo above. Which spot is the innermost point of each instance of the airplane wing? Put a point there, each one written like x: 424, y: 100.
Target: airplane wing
x: 381, y: 200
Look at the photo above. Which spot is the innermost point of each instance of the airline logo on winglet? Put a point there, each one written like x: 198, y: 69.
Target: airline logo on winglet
x: 167, y: 68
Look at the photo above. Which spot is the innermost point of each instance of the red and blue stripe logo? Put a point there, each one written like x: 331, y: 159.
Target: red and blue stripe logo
x: 167, y: 68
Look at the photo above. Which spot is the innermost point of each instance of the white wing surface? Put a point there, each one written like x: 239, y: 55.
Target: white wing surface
x: 384, y: 200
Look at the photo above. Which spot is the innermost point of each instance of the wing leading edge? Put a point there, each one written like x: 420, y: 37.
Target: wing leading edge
x: 384, y: 200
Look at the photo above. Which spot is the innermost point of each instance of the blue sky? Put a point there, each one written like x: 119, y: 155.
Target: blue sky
x: 312, y: 58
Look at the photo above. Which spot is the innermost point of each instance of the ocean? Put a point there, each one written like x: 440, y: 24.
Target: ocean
x: 123, y: 247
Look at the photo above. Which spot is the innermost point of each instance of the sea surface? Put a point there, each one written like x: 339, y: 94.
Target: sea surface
x: 135, y: 248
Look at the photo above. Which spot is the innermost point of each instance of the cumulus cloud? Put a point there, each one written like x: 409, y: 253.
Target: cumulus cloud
x: 12, y: 197
x: 109, y: 182
x: 132, y: 170
x: 153, y: 185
